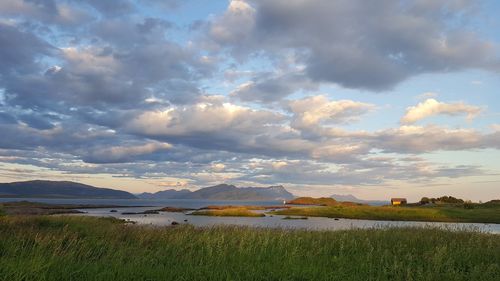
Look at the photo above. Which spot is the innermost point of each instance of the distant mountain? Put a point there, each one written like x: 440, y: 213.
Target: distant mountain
x: 352, y: 198
x: 59, y: 189
x: 224, y: 192
x: 165, y: 194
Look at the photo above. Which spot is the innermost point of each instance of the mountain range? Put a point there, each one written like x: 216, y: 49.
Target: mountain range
x: 59, y: 189
x: 68, y: 189
x: 224, y: 192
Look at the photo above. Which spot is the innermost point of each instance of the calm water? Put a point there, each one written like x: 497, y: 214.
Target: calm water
x: 166, y: 218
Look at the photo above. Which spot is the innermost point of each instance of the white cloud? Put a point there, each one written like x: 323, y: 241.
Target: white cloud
x: 431, y: 107
x: 202, y: 118
x: 236, y: 22
x: 317, y: 110
x: 418, y: 139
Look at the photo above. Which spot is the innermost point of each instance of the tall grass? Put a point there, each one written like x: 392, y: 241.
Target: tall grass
x: 84, y: 248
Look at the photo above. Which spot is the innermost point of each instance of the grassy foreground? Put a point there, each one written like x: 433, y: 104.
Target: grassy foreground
x: 85, y: 248
x: 445, y: 213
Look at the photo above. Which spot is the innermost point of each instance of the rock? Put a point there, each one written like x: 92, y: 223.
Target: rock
x: 113, y: 211
x: 174, y: 223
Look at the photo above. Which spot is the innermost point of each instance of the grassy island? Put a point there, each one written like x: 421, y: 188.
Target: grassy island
x: 228, y: 212
x: 87, y: 248
x: 480, y: 213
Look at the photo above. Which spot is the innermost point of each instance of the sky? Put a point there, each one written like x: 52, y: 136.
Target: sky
x: 377, y: 99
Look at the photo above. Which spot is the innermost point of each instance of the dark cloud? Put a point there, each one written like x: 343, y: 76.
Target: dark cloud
x: 19, y: 50
x: 40, y: 13
x: 266, y: 87
x: 358, y: 44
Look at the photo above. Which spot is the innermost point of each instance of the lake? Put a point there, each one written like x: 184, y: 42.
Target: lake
x: 166, y: 218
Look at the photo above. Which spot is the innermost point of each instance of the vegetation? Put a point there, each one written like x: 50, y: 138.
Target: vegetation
x: 323, y: 201
x: 86, y: 248
x: 492, y: 203
x: 248, y: 207
x: 174, y: 209
x: 36, y: 208
x: 228, y: 212
x: 486, y: 213
x: 441, y: 200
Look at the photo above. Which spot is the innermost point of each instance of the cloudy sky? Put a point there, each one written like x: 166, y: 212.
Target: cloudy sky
x: 372, y: 98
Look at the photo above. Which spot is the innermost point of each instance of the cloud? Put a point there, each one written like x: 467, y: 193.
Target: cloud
x: 419, y: 139
x: 318, y: 110
x: 268, y: 88
x: 121, y: 154
x: 20, y: 50
x: 236, y: 23
x: 432, y: 107
x: 46, y: 11
x: 103, y: 76
x: 202, y: 118
x: 395, y: 40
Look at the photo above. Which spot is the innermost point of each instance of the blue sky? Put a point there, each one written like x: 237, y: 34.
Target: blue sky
x: 397, y: 98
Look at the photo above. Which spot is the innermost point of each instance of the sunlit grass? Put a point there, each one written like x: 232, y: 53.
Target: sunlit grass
x: 438, y: 213
x: 228, y: 212
x: 84, y: 248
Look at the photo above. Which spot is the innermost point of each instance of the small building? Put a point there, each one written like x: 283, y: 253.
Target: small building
x: 398, y: 201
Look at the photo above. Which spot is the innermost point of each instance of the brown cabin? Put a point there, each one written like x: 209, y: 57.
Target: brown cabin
x: 398, y: 201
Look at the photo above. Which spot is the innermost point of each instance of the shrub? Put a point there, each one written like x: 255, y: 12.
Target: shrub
x: 425, y: 200
x: 468, y: 205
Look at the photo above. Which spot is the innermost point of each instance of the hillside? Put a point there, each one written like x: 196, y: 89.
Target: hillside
x: 224, y: 192
x: 165, y: 194
x: 352, y: 198
x: 59, y: 189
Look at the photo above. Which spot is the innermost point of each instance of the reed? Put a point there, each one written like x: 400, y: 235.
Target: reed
x: 86, y: 248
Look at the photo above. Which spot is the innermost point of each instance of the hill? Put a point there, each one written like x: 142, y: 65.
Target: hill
x: 59, y: 189
x: 165, y: 194
x: 224, y: 192
x: 352, y: 198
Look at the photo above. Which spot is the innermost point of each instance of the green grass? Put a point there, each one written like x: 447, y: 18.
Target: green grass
x: 228, y: 212
x: 444, y: 213
x: 323, y: 201
x: 85, y: 248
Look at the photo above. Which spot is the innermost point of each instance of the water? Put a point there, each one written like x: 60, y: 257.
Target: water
x: 166, y: 218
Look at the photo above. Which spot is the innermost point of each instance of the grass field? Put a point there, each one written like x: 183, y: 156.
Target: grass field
x: 444, y: 213
x: 228, y: 212
x: 85, y: 248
